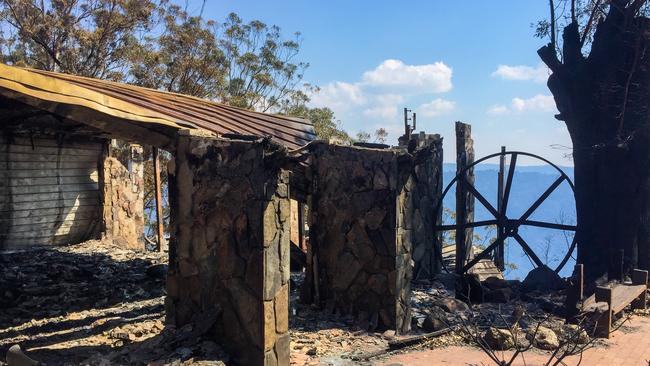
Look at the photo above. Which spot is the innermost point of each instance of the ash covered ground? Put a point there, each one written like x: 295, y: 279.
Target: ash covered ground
x: 97, y: 304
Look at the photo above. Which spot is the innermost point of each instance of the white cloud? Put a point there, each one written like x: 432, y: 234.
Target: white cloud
x: 436, y: 107
x: 497, y: 110
x: 385, y: 106
x: 538, y: 74
x: 433, y: 78
x: 539, y: 102
x: 376, y: 98
x: 339, y: 96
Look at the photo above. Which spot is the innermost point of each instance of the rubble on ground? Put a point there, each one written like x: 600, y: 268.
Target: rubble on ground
x: 97, y: 304
x: 93, y: 303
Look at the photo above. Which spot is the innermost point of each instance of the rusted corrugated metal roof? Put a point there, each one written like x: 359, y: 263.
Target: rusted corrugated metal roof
x: 148, y: 106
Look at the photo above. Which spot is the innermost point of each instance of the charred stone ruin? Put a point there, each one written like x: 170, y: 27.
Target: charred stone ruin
x: 361, y: 243
x: 243, y: 188
x: 229, y: 259
x: 371, y: 209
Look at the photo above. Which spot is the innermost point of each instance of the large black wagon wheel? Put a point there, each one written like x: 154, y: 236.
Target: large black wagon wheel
x: 508, y: 227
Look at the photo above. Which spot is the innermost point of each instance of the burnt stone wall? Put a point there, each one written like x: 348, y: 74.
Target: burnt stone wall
x: 122, y: 192
x: 426, y: 195
x: 363, y: 266
x: 229, y: 249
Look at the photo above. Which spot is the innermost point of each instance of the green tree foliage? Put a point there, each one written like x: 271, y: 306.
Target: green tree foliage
x: 155, y: 44
x: 326, y: 126
x: 185, y: 58
x: 261, y: 72
x: 84, y: 37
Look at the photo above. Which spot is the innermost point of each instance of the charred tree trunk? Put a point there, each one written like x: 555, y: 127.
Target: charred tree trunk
x: 604, y: 98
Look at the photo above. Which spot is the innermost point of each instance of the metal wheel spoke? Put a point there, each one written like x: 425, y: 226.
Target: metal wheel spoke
x: 506, y: 191
x: 528, y: 249
x: 542, y: 198
x: 467, y: 225
x: 484, y: 254
x: 482, y: 199
x: 549, y: 225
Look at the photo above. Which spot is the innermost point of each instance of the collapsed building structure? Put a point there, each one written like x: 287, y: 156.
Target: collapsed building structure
x: 232, y: 180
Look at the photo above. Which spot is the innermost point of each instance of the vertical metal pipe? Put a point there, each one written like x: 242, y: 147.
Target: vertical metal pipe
x: 159, y: 210
x: 499, y: 251
x: 406, y: 123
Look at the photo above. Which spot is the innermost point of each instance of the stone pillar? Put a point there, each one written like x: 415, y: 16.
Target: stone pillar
x: 122, y: 192
x: 427, y: 243
x: 360, y: 234
x: 464, y: 198
x: 229, y: 247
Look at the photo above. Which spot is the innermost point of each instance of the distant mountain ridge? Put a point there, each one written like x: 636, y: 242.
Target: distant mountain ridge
x: 542, y: 169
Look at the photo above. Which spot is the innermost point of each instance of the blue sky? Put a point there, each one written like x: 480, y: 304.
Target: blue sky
x: 473, y: 61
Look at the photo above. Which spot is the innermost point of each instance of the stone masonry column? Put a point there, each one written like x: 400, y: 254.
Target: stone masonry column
x: 426, y: 195
x: 361, y: 233
x: 122, y: 192
x: 229, y: 249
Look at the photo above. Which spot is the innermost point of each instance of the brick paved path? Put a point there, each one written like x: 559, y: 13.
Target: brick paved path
x: 626, y: 347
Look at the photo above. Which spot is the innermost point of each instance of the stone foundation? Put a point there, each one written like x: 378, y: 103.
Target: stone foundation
x: 122, y: 190
x: 360, y: 237
x: 229, y: 247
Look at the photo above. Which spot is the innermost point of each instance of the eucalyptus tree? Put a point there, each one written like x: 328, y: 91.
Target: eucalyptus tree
x: 91, y: 38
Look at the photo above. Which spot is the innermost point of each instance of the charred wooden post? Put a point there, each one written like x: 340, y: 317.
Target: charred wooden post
x: 159, y: 210
x: 640, y: 277
x: 619, y: 273
x: 308, y: 288
x: 575, y: 292
x: 464, y: 198
x: 229, y: 248
x: 301, y: 227
x: 309, y: 291
x: 604, y: 323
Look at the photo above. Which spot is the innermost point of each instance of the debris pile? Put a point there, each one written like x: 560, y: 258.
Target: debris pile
x: 92, y: 303
x: 95, y: 303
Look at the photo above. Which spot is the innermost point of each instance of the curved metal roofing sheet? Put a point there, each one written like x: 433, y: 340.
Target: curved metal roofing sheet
x: 149, y: 106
